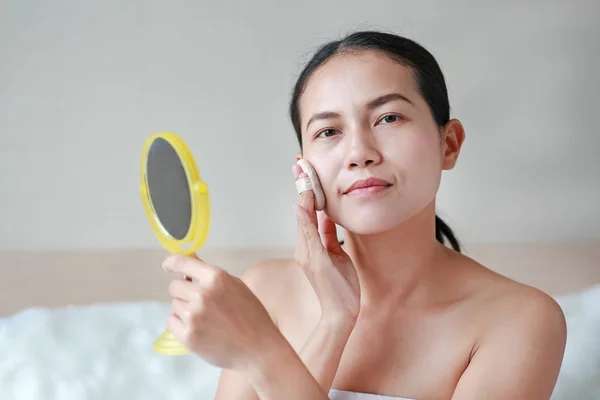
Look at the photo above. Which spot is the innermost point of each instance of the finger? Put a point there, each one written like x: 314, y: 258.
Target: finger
x: 328, y: 232
x: 309, y: 232
x: 176, y: 326
x: 193, y: 255
x: 301, y: 247
x: 181, y: 309
x: 183, y: 290
x: 306, y: 198
x: 192, y: 267
x: 297, y: 169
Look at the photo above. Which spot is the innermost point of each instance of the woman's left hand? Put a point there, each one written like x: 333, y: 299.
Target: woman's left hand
x: 216, y: 315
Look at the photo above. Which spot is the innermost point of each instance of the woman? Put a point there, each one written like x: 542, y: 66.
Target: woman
x: 391, y: 310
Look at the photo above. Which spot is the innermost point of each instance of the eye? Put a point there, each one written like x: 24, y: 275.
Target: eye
x: 390, y: 118
x: 326, y: 133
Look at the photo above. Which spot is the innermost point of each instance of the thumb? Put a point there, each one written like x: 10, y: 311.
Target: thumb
x: 328, y: 232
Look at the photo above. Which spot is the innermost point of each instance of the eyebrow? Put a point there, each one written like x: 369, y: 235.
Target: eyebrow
x: 377, y: 102
x: 386, y: 98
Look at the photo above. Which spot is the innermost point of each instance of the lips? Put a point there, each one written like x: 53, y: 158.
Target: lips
x: 370, y: 183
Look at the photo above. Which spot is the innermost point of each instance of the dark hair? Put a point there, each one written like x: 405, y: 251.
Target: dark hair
x: 428, y: 75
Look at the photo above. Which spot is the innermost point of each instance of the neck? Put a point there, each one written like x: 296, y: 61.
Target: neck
x: 393, y: 265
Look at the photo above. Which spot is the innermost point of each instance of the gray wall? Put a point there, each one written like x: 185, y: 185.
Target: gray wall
x: 84, y: 83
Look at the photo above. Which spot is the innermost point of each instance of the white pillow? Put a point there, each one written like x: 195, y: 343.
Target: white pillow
x: 105, y: 352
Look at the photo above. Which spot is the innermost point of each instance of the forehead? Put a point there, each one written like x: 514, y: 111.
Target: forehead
x: 351, y: 80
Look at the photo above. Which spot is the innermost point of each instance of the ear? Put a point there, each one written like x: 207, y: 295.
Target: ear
x: 453, y: 137
x: 298, y: 156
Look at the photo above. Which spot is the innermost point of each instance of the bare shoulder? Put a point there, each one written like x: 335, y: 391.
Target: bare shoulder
x: 528, y: 310
x: 512, y: 306
x: 276, y: 282
x: 520, y: 343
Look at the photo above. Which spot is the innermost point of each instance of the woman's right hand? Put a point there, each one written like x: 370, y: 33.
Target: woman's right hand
x: 327, y: 266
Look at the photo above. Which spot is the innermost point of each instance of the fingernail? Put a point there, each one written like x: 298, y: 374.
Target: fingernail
x: 296, y: 170
x: 295, y: 208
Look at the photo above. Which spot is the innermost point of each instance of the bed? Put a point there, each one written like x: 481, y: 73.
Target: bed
x: 80, y: 325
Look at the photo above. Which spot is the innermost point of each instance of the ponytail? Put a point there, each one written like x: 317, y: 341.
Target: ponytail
x: 443, y: 232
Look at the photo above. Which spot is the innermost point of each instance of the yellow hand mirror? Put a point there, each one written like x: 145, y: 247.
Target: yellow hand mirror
x: 177, y: 205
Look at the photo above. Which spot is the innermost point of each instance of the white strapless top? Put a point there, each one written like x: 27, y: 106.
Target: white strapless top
x: 345, y: 395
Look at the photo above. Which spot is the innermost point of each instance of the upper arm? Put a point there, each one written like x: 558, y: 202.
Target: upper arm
x: 521, y: 357
x: 260, y: 280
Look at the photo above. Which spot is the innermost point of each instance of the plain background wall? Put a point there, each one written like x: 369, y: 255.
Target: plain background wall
x: 84, y: 83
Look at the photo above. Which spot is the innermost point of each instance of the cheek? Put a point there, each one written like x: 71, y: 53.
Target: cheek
x: 418, y: 165
x: 325, y: 166
x: 328, y: 177
x: 416, y: 154
x: 426, y: 154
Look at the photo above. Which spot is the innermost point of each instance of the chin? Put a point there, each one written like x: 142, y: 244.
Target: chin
x: 378, y: 217
x: 372, y: 220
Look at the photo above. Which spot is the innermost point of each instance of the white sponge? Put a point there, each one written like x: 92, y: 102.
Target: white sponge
x: 316, y: 184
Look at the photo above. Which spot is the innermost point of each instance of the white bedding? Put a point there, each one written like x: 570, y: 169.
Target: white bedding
x: 105, y: 352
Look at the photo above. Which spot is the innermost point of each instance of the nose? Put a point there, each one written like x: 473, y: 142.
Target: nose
x: 364, y: 149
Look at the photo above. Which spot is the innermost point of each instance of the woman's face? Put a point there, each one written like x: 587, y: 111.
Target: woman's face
x: 362, y: 116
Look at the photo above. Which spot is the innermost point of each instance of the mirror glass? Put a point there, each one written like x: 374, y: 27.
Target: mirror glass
x: 168, y: 189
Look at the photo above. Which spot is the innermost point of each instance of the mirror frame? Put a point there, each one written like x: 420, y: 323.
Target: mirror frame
x: 199, y: 199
